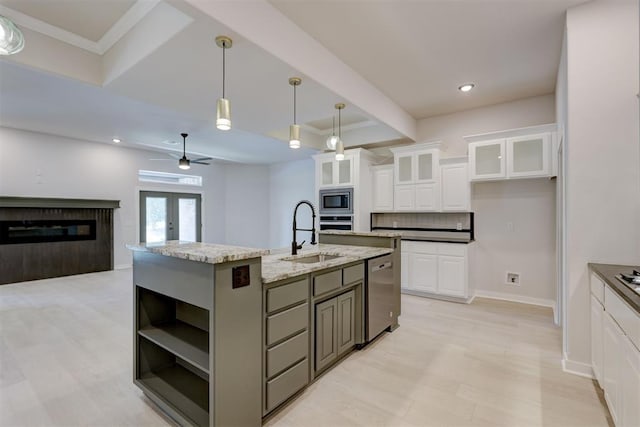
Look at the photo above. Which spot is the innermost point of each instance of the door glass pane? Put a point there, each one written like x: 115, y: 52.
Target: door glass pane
x: 187, y: 219
x: 344, y: 171
x: 527, y: 155
x: 156, y: 219
x: 488, y: 159
x: 425, y: 166
x: 404, y: 169
x: 327, y: 173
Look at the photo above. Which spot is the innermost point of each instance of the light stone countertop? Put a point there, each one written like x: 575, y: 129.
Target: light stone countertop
x: 363, y: 233
x: 201, y: 252
x: 277, y: 266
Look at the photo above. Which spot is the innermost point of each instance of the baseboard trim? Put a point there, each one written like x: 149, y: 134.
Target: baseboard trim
x: 436, y: 296
x: 122, y: 266
x: 577, y: 368
x: 517, y: 298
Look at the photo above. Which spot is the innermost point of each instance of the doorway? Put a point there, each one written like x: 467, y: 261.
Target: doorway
x: 170, y: 216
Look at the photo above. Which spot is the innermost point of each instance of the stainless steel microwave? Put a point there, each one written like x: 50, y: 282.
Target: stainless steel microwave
x: 336, y: 201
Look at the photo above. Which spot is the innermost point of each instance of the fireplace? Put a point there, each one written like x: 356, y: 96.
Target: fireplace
x: 42, y: 238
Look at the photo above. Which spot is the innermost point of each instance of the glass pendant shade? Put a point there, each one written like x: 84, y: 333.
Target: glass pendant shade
x: 11, y: 38
x: 223, y: 115
x: 332, y: 141
x: 294, y: 136
x: 184, y: 163
x: 339, y: 150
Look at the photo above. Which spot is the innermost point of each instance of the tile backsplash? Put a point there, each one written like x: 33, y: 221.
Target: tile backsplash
x: 421, y: 220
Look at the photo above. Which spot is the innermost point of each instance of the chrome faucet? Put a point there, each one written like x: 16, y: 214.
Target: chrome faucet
x: 294, y: 244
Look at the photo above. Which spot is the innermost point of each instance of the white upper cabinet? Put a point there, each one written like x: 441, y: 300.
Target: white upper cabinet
x: 487, y: 160
x: 382, y: 188
x: 334, y: 173
x: 416, y: 166
x: 529, y: 156
x: 417, y: 177
x: 518, y: 153
x: 455, y: 188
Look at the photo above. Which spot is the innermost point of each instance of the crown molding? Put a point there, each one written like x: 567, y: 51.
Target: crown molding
x: 126, y: 22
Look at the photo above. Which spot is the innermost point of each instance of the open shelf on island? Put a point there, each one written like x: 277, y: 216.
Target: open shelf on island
x: 183, y: 340
x: 174, y: 381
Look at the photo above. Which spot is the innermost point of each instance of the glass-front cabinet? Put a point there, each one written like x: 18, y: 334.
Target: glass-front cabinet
x: 416, y: 167
x: 529, y: 156
x: 336, y: 173
x: 522, y: 156
x: 487, y: 160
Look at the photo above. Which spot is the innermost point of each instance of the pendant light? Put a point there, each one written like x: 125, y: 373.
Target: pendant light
x: 294, y: 129
x: 223, y: 111
x: 184, y: 163
x: 11, y: 38
x: 333, y: 139
x: 339, y: 144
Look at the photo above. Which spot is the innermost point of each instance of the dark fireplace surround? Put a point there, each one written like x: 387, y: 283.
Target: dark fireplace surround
x: 45, y: 237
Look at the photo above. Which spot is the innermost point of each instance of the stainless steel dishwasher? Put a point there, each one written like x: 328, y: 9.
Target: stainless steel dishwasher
x: 379, y: 295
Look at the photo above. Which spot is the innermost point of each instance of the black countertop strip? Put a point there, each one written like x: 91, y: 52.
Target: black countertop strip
x: 608, y: 272
x: 431, y: 239
x: 448, y: 230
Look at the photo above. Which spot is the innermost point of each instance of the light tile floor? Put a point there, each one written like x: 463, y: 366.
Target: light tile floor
x: 66, y: 359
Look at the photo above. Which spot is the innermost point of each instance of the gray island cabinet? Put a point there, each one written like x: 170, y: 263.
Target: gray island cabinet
x: 197, y: 331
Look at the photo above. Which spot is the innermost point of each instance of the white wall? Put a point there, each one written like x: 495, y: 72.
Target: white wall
x: 451, y: 128
x: 289, y: 183
x: 515, y: 223
x: 603, y: 174
x: 247, y: 199
x: 528, y: 204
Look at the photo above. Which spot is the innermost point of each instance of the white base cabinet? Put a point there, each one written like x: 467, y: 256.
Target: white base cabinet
x: 615, y: 328
x: 436, y: 269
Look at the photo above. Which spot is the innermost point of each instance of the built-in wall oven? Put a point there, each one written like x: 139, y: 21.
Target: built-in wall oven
x: 336, y: 208
x: 336, y: 222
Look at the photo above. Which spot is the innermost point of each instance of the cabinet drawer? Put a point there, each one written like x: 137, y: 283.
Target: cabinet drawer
x: 420, y: 247
x: 626, y: 317
x: 287, y: 323
x: 286, y: 295
x: 452, y: 249
x: 353, y: 274
x: 287, y: 384
x: 285, y: 354
x: 597, y: 287
x: 327, y: 282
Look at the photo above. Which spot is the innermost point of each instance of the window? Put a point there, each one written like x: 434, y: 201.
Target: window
x: 169, y: 178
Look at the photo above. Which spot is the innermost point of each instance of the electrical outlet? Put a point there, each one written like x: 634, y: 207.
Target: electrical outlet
x: 459, y: 226
x: 513, y: 279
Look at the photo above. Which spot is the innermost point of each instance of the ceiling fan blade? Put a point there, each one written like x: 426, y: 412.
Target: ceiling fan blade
x: 201, y: 159
x: 198, y: 162
x: 163, y: 160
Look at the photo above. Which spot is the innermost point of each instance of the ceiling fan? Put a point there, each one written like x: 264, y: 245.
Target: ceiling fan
x: 184, y: 162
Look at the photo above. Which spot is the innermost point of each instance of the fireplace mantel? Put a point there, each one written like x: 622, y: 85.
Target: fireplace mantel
x: 46, y: 202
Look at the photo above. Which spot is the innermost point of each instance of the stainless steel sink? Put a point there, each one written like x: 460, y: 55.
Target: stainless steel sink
x: 312, y: 259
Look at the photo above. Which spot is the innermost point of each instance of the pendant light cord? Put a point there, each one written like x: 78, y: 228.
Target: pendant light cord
x: 184, y: 146
x: 333, y: 132
x: 339, y: 123
x: 224, y: 48
x: 294, y: 104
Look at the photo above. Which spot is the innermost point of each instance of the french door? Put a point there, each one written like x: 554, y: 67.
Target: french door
x: 170, y: 216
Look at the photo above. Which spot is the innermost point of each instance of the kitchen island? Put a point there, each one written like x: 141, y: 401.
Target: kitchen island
x: 226, y: 335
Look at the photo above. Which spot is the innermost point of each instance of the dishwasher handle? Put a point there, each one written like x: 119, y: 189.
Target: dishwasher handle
x: 382, y: 266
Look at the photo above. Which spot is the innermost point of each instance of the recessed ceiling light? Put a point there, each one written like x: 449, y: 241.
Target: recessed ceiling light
x: 116, y: 140
x: 466, y: 87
